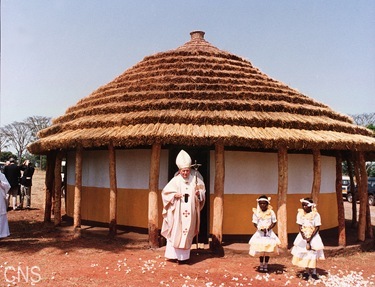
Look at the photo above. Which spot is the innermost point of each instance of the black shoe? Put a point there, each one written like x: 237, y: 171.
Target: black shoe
x: 315, y: 276
x: 305, y: 276
x: 183, y: 261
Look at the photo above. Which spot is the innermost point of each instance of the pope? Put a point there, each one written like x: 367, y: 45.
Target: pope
x: 183, y: 199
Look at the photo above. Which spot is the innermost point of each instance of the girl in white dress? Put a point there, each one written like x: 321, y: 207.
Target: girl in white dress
x: 308, y: 246
x: 264, y: 241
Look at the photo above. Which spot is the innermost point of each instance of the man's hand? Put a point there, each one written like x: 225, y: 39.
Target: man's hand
x: 178, y: 195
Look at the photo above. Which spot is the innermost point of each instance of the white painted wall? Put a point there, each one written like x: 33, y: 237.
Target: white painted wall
x: 300, y: 173
x: 132, y: 168
x: 256, y: 173
x: 245, y: 172
x: 328, y: 184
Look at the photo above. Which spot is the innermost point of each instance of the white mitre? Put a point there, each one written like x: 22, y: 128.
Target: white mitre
x: 183, y: 160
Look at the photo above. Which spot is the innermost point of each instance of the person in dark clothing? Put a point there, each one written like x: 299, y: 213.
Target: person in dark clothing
x: 13, y: 173
x: 26, y: 183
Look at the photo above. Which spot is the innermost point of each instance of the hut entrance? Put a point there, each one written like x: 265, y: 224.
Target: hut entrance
x: 202, y: 156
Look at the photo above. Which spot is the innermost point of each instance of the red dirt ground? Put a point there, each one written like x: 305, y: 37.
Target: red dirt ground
x: 37, y: 254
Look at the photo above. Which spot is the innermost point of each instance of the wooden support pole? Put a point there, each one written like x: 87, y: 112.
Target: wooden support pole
x: 282, y: 190
x: 352, y: 190
x: 358, y: 193
x: 218, y: 211
x: 363, y: 196
x: 78, y: 193
x: 58, y: 180
x: 112, y: 192
x: 317, y: 179
x: 340, y: 202
x: 153, y: 230
x: 364, y: 204
x: 49, y: 185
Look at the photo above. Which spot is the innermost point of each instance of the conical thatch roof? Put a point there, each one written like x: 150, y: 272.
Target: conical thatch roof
x: 200, y: 95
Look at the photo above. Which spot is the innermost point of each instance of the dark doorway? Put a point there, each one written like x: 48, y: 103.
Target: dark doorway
x: 202, y: 156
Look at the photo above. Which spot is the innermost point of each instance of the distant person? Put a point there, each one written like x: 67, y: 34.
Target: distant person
x: 183, y: 199
x: 308, y: 246
x: 264, y: 241
x: 4, y: 188
x: 26, y: 183
x: 13, y: 173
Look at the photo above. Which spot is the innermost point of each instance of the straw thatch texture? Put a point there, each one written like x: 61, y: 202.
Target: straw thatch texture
x: 200, y: 95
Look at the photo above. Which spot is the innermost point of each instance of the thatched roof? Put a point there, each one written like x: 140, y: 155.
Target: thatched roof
x: 198, y: 95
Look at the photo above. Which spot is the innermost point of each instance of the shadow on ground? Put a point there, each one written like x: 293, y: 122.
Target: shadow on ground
x: 29, y: 236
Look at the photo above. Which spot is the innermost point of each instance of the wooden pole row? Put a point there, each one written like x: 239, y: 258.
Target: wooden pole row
x: 359, y: 190
x: 53, y: 199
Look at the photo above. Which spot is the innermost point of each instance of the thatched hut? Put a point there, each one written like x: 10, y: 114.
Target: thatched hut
x: 252, y: 134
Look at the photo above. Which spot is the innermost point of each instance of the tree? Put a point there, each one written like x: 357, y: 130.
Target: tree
x: 37, y: 123
x: 364, y: 119
x: 18, y: 135
x: 370, y: 167
x: 3, y: 141
x: 6, y: 155
x: 368, y: 121
x: 371, y: 127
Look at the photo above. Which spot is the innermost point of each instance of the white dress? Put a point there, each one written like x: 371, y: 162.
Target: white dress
x: 261, y: 242
x: 301, y: 256
x: 4, y: 187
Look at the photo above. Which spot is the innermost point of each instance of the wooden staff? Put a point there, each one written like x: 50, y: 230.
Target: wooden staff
x: 196, y: 166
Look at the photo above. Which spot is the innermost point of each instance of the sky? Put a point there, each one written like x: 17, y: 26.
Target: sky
x: 56, y: 52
